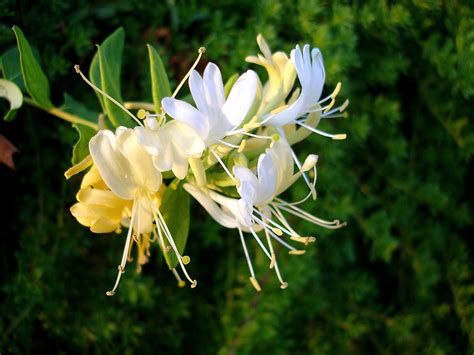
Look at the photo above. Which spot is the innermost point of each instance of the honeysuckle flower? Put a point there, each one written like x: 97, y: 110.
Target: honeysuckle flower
x: 216, y: 116
x: 99, y: 208
x: 128, y: 171
x: 259, y: 207
x: 170, y: 145
x: 281, y: 76
x: 311, y: 75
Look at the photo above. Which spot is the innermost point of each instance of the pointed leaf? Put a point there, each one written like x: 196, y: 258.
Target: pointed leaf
x: 175, y: 210
x: 10, y: 91
x: 160, y: 85
x: 34, y: 78
x: 81, y: 148
x: 105, y: 73
x: 11, y: 67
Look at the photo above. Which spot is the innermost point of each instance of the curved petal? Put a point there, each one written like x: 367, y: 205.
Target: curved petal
x: 141, y: 164
x: 186, y: 139
x: 149, y: 139
x: 197, y: 91
x: 241, y: 98
x: 213, y: 85
x: 112, y: 165
x: 184, y: 112
x: 224, y: 219
x: 266, y: 179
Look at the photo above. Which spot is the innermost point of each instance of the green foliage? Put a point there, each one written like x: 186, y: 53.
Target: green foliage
x: 398, y: 279
x: 35, y: 80
x: 160, y: 85
x: 175, y: 210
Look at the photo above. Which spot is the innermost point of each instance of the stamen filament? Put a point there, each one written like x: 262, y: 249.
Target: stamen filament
x: 78, y: 70
x: 223, y: 165
x: 201, y: 51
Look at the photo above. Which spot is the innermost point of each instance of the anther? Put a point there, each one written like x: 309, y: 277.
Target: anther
x: 344, y: 106
x: 141, y: 114
x: 242, y: 145
x: 331, y: 104
x: 339, y: 137
x: 110, y: 293
x: 255, y: 284
x: 297, y: 252
x: 277, y: 231
x: 194, y: 284
x: 284, y: 285
x: 336, y: 90
x: 272, y: 263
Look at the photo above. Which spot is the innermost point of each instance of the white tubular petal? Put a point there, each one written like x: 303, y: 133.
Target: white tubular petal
x: 262, y: 44
x: 241, y: 98
x: 197, y: 91
x: 180, y: 166
x: 221, y: 217
x: 245, y: 175
x: 141, y: 164
x: 213, y: 85
x: 164, y: 161
x: 186, y: 139
x: 112, y: 165
x: 266, y: 179
x: 184, y: 112
x: 100, y: 197
x: 247, y: 192
x: 149, y: 139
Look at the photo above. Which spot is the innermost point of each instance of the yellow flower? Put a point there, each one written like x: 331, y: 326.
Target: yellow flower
x: 99, y: 208
x: 281, y: 76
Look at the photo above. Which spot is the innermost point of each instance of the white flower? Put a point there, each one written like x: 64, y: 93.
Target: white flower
x: 215, y: 117
x: 170, y: 145
x: 128, y: 171
x: 259, y: 208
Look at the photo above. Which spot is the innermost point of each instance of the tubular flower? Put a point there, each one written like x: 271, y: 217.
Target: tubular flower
x: 128, y: 171
x: 281, y: 76
x: 170, y: 145
x: 99, y: 208
x: 259, y: 207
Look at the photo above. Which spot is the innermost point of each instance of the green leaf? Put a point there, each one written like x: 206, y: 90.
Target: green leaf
x: 175, y: 210
x: 11, y: 67
x: 81, y: 148
x: 73, y: 106
x: 10, y: 91
x: 35, y: 80
x: 229, y: 83
x: 160, y: 84
x: 105, y: 73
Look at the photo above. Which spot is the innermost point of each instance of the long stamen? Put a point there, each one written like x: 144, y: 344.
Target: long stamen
x: 252, y: 278
x: 336, y: 224
x: 274, y: 263
x: 339, y: 136
x: 78, y: 70
x: 181, y: 259
x: 260, y: 243
x: 181, y: 282
x: 222, y: 164
x: 201, y: 51
x: 121, y: 267
x: 227, y: 144
x: 277, y: 229
x: 281, y: 241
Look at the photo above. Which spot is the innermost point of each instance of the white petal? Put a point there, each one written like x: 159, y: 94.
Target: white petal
x: 112, y: 165
x: 266, y: 179
x: 213, y: 85
x: 184, y: 112
x: 197, y: 91
x: 149, y: 139
x: 246, y: 177
x: 141, y: 164
x: 180, y: 166
x: 225, y: 219
x: 241, y: 98
x: 188, y: 142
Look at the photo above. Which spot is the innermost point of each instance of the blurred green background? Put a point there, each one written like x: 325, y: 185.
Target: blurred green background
x: 398, y: 279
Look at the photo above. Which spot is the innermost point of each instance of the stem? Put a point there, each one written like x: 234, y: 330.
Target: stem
x: 62, y: 114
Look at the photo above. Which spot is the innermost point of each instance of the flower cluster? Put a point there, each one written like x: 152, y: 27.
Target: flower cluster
x: 231, y: 150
